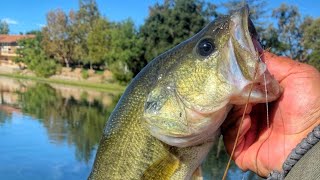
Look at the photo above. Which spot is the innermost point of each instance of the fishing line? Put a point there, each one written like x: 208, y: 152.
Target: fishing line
x: 284, y: 138
x: 268, y: 121
x: 245, y: 109
x: 267, y: 118
x: 267, y: 112
x: 238, y: 132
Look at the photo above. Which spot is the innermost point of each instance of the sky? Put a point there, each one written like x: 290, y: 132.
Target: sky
x: 26, y: 15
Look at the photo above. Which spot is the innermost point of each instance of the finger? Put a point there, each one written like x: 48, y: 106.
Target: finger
x: 236, y: 114
x: 239, y: 110
x: 242, y: 141
x: 230, y: 134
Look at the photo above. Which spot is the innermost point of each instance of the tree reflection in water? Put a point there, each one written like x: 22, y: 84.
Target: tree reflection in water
x: 78, y: 123
x: 216, y: 162
x: 4, y: 117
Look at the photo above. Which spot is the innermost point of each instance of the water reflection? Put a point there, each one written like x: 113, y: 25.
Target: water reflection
x: 66, y: 119
x: 78, y: 122
x: 216, y: 162
x: 4, y: 117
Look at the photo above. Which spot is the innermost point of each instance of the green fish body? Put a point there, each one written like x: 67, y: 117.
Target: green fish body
x: 169, y: 116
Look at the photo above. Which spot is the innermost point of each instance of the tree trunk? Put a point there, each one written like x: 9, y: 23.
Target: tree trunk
x: 67, y: 62
x: 2, y: 98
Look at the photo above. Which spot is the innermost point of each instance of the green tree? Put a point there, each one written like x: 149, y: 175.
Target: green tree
x: 289, y: 32
x: 271, y: 42
x: 83, y: 22
x: 311, y: 41
x: 258, y: 11
x: 57, y: 39
x: 172, y: 22
x: 35, y: 32
x: 4, y: 27
x: 88, y: 12
x: 124, y: 55
x: 98, y: 42
x: 32, y: 54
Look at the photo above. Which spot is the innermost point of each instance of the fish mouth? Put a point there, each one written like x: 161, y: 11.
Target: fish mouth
x: 244, y: 31
x: 249, y: 57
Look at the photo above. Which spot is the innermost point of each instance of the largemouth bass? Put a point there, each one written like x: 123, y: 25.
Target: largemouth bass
x: 169, y: 116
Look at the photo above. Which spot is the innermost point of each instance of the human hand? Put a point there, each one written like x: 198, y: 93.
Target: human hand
x: 292, y: 117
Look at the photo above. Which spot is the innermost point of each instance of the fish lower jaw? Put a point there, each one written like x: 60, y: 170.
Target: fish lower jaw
x: 188, y: 141
x: 258, y: 92
x: 197, y: 131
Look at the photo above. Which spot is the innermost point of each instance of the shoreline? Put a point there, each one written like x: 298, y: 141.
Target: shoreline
x: 106, y: 87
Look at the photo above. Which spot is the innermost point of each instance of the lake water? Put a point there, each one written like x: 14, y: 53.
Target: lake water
x: 50, y: 131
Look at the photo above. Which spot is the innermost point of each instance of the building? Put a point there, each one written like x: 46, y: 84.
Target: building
x: 8, y: 47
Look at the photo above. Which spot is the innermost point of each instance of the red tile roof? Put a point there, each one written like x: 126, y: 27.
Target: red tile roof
x: 4, y: 38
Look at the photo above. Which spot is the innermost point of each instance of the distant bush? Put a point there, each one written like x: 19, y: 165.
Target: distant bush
x: 45, y: 68
x: 31, y: 54
x: 121, y: 72
x: 85, y: 74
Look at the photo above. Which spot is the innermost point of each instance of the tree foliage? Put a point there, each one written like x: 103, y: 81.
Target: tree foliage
x: 84, y: 38
x: 258, y: 11
x: 83, y: 22
x: 170, y: 23
x: 57, y: 39
x: 32, y: 54
x: 289, y: 32
x: 4, y: 27
x: 311, y: 42
x: 125, y: 50
x: 98, y: 42
x: 270, y: 40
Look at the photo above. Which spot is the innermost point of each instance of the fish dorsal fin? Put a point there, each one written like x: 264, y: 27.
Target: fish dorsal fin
x: 163, y: 169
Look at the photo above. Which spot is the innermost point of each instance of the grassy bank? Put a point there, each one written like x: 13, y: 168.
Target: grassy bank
x: 84, y: 84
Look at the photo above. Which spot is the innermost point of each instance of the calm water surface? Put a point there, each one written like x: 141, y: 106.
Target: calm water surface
x: 50, y: 131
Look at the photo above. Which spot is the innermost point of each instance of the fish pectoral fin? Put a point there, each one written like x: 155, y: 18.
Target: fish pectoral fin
x: 163, y: 169
x: 197, y: 174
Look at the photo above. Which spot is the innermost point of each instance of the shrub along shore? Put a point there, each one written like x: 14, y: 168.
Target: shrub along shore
x: 103, y: 86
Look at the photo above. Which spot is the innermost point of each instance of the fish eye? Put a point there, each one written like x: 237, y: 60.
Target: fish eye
x: 205, y: 47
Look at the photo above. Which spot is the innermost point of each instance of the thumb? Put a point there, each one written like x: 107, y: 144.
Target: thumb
x: 230, y: 134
